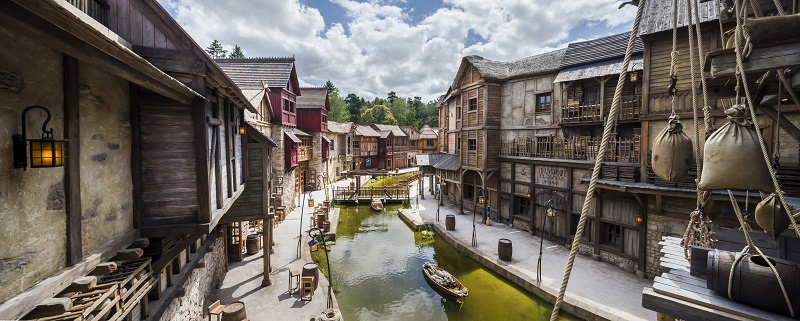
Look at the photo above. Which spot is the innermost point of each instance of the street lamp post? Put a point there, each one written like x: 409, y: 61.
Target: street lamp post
x: 551, y: 212
x: 314, y: 246
x: 440, y: 193
x: 302, y: 210
x: 482, y: 201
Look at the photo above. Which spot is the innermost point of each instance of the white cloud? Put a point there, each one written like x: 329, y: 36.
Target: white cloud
x: 379, y: 49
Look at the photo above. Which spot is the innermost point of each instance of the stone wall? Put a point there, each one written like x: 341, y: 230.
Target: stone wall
x: 32, y: 204
x: 519, y: 101
x: 200, y: 286
x: 672, y: 222
x: 106, y: 184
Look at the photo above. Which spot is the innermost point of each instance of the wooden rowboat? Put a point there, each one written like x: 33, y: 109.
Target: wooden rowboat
x: 377, y: 205
x: 443, y: 281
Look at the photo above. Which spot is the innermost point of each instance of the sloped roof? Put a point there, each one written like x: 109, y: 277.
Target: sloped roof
x: 313, y: 97
x: 392, y: 128
x: 427, y: 159
x: 426, y: 132
x: 268, y: 140
x: 448, y: 162
x: 657, y: 15
x: 339, y: 128
x: 597, y: 69
x: 363, y: 130
x: 605, y: 48
x: 300, y: 132
x: 408, y: 130
x: 529, y: 66
x: 256, y: 97
x: 249, y: 73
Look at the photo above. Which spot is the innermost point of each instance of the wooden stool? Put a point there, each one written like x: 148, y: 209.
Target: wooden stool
x: 306, y: 288
x: 294, y: 281
x: 215, y: 309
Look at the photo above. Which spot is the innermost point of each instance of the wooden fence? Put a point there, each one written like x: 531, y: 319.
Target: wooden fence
x: 387, y: 193
x: 630, y: 108
x: 626, y: 150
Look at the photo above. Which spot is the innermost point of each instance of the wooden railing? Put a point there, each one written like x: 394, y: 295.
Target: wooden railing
x: 304, y: 153
x: 583, y: 113
x: 389, y: 193
x: 627, y: 150
x: 97, y: 9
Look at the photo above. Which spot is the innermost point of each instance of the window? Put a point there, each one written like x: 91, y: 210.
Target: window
x: 332, y: 144
x: 458, y: 112
x: 523, y: 206
x: 458, y: 145
x: 472, y: 145
x: 473, y: 104
x: 543, y: 101
x: 429, y: 142
x: 286, y: 105
x: 469, y: 191
x: 355, y: 144
x: 291, y: 106
x: 613, y: 235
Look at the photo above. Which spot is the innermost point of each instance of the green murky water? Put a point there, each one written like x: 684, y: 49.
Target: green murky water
x: 377, y: 273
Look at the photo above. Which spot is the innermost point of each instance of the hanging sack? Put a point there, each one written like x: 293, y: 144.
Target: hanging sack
x: 672, y: 151
x: 771, y: 216
x: 732, y: 156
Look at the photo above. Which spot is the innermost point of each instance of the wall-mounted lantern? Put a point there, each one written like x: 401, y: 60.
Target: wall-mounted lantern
x: 481, y: 198
x: 633, y: 76
x: 639, y: 219
x: 279, y: 190
x: 311, y: 201
x: 280, y: 180
x: 44, y: 152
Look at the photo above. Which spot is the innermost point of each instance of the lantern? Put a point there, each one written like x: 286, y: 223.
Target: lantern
x: 313, y: 245
x: 311, y: 202
x: 551, y: 212
x: 279, y: 190
x: 633, y: 76
x: 639, y: 219
x: 44, y: 152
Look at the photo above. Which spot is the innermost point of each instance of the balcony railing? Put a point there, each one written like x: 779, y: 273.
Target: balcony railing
x: 584, y: 113
x: 97, y: 9
x: 626, y: 150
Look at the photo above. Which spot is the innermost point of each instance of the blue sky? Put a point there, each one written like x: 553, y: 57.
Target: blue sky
x: 412, y: 47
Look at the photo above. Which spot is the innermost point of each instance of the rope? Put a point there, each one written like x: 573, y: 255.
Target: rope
x: 613, y: 113
x: 689, y: 26
x: 742, y: 75
x: 698, y: 232
x: 673, y: 65
x: 749, y: 247
x: 709, y: 124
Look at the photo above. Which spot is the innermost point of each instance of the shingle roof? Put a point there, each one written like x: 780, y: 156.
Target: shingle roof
x: 313, y: 97
x: 448, y: 162
x: 529, y: 66
x: 249, y: 73
x: 611, y: 47
x: 363, y: 130
x: 597, y: 69
x: 392, y: 128
x: 339, y: 128
x: 426, y: 132
x: 657, y: 15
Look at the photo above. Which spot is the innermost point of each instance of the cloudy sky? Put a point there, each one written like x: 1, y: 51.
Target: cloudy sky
x: 412, y: 47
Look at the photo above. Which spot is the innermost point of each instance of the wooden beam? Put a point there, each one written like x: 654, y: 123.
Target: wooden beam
x: 19, y: 305
x: 723, y: 62
x: 72, y: 174
x: 171, y: 253
x: 56, y: 30
x: 136, y: 156
x: 201, y: 155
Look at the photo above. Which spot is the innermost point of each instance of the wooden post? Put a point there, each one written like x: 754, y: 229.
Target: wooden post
x: 72, y: 173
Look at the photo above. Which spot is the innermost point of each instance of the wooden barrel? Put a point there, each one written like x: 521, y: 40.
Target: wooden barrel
x: 504, y: 249
x: 331, y: 315
x: 753, y: 282
x: 311, y: 269
x: 320, y: 219
x: 326, y: 226
x: 252, y: 244
x: 450, y: 222
x: 234, y: 312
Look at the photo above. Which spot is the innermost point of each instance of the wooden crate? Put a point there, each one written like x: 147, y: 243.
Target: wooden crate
x: 628, y: 174
x: 135, y: 279
x: 609, y: 172
x: 101, y: 303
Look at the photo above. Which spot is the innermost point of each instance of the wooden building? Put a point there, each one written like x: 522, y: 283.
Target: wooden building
x: 312, y: 117
x: 427, y: 142
x: 340, y: 149
x: 365, y: 147
x: 392, y: 147
x: 277, y: 77
x: 154, y: 158
x: 413, y: 141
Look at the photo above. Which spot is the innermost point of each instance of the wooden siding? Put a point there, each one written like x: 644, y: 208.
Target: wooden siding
x: 169, y: 182
x: 493, y: 108
x: 139, y: 25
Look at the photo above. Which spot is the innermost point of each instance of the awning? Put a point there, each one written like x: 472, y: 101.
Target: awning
x: 598, y: 69
x: 292, y: 137
x: 260, y: 135
x: 326, y: 139
x: 448, y: 162
x: 301, y: 133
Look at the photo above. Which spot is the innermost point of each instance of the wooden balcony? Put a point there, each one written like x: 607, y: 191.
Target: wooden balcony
x: 578, y: 112
x: 625, y: 150
x: 97, y: 9
x: 304, y: 153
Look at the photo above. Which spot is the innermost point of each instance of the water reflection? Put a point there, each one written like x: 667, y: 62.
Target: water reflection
x: 377, y: 265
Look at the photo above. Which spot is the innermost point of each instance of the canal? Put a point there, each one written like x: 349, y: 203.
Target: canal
x: 377, y: 275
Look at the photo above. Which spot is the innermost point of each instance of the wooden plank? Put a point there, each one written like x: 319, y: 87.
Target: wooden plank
x: 136, y: 156
x: 761, y: 60
x: 684, y: 310
x: 710, y: 299
x: 17, y: 306
x: 72, y: 174
x: 201, y: 155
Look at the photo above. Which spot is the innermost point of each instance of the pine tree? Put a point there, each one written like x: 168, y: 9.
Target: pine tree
x: 216, y: 51
x: 236, y: 53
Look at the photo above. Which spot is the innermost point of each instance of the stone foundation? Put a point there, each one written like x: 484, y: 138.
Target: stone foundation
x: 200, y: 286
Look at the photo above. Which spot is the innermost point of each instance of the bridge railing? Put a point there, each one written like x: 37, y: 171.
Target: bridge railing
x: 387, y: 193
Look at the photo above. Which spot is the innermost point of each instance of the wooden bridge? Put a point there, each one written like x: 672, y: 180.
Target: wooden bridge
x: 389, y: 194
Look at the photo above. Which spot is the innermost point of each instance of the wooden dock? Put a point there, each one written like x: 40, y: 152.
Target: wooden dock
x: 678, y: 294
x: 389, y: 194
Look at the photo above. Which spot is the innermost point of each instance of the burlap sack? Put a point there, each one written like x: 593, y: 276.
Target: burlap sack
x: 672, y: 151
x: 771, y: 216
x: 732, y: 156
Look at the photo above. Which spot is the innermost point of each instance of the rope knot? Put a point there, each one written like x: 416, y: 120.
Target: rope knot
x: 675, y: 124
x: 738, y: 114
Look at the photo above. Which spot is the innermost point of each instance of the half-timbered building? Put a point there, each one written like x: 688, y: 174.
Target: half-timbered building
x: 312, y: 117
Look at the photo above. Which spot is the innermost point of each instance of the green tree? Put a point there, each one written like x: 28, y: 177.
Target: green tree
x: 392, y: 96
x: 216, y: 51
x: 331, y: 87
x: 339, y: 112
x: 354, y: 104
x: 378, y: 114
x: 236, y: 53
